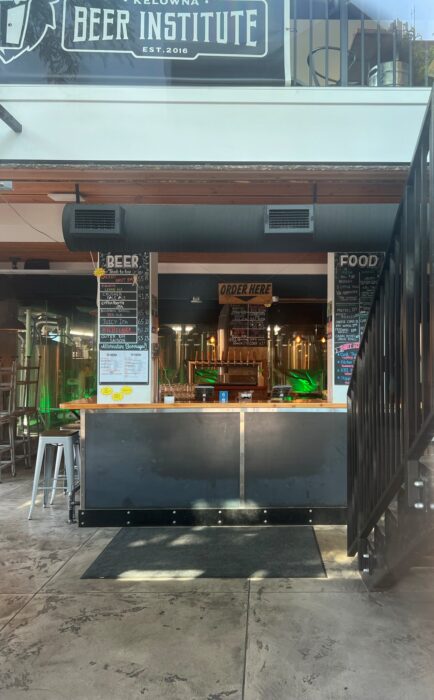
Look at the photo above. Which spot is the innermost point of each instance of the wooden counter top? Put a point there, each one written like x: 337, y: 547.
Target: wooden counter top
x: 92, y: 405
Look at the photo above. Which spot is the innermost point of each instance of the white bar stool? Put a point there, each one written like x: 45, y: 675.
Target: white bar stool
x: 77, y: 458
x: 49, y: 441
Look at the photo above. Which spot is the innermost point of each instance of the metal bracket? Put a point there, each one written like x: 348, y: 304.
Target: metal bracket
x: 11, y: 122
x: 72, y: 504
x: 415, y: 485
x: 365, y: 557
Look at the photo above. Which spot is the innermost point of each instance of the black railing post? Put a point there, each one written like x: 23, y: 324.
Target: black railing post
x: 431, y: 243
x: 344, y: 41
x: 391, y: 393
x: 10, y: 120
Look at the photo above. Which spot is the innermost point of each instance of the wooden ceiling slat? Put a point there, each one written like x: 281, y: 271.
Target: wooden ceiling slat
x: 25, y: 199
x: 202, y: 199
x: 367, y: 189
x: 252, y: 189
x: 300, y: 193
x: 58, y: 252
x: 181, y: 189
x: 314, y: 258
x: 237, y: 200
x: 196, y: 185
x: 123, y: 199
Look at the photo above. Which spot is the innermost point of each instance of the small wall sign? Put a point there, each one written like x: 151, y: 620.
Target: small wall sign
x: 356, y: 277
x: 245, y: 293
x: 123, y: 324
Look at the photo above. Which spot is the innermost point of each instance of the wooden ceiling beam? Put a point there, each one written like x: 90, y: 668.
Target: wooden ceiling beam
x: 211, y: 193
x: 209, y: 188
x: 209, y: 184
x: 199, y: 173
x: 58, y: 252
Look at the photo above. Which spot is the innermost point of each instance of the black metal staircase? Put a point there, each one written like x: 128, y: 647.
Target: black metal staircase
x: 390, y: 397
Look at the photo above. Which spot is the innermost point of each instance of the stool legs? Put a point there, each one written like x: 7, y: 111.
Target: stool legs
x: 77, y: 455
x: 26, y: 423
x: 27, y: 439
x: 7, y: 446
x: 51, y: 448
x: 11, y: 432
x: 71, y: 459
x: 69, y: 466
x: 38, y: 467
x: 56, y: 472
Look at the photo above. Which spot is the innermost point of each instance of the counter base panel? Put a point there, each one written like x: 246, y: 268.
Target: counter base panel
x: 197, y: 462
x: 155, y: 460
x: 302, y: 461
x: 162, y: 517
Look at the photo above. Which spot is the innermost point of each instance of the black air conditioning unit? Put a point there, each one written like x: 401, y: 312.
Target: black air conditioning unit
x: 93, y: 227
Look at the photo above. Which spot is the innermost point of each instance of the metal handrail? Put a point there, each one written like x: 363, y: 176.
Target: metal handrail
x: 391, y: 393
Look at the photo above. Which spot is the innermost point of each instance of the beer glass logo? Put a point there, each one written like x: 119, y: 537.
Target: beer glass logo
x: 23, y: 25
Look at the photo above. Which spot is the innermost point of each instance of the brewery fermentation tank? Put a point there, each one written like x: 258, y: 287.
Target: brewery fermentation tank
x: 56, y: 371
x: 385, y: 75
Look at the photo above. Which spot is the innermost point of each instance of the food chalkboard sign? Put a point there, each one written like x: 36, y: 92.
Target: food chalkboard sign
x: 248, y: 326
x: 356, y: 277
x: 124, y: 319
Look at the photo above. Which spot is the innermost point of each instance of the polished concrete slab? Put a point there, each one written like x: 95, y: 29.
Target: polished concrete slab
x: 182, y: 647
x: 31, y: 553
x: 340, y: 645
x: 63, y: 637
x: 10, y: 605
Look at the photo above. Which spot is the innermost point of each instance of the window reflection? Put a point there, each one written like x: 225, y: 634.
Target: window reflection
x: 387, y: 43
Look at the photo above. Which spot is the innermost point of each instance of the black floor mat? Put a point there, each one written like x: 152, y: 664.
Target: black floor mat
x: 143, y: 554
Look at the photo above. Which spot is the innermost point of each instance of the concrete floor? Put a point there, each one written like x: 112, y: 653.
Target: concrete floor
x: 63, y: 638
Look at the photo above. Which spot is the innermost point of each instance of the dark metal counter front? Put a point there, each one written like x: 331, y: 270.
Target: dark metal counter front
x: 185, y: 466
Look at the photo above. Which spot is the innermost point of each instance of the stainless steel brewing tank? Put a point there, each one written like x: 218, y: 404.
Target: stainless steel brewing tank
x: 382, y: 75
x: 56, y: 370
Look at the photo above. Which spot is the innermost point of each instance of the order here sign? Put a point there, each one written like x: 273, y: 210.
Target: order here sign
x: 245, y: 293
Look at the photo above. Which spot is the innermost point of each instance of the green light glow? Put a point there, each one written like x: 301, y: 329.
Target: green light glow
x: 206, y: 376
x: 305, y: 382
x: 44, y: 400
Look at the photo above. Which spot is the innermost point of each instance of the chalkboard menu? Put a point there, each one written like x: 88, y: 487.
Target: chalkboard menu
x: 356, y: 277
x: 124, y: 319
x: 248, y: 326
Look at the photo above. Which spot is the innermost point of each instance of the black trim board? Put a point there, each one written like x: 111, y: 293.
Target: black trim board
x: 211, y: 516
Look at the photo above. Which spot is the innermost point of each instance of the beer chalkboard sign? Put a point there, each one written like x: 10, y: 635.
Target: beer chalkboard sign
x: 248, y: 326
x: 124, y: 319
x: 356, y: 277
